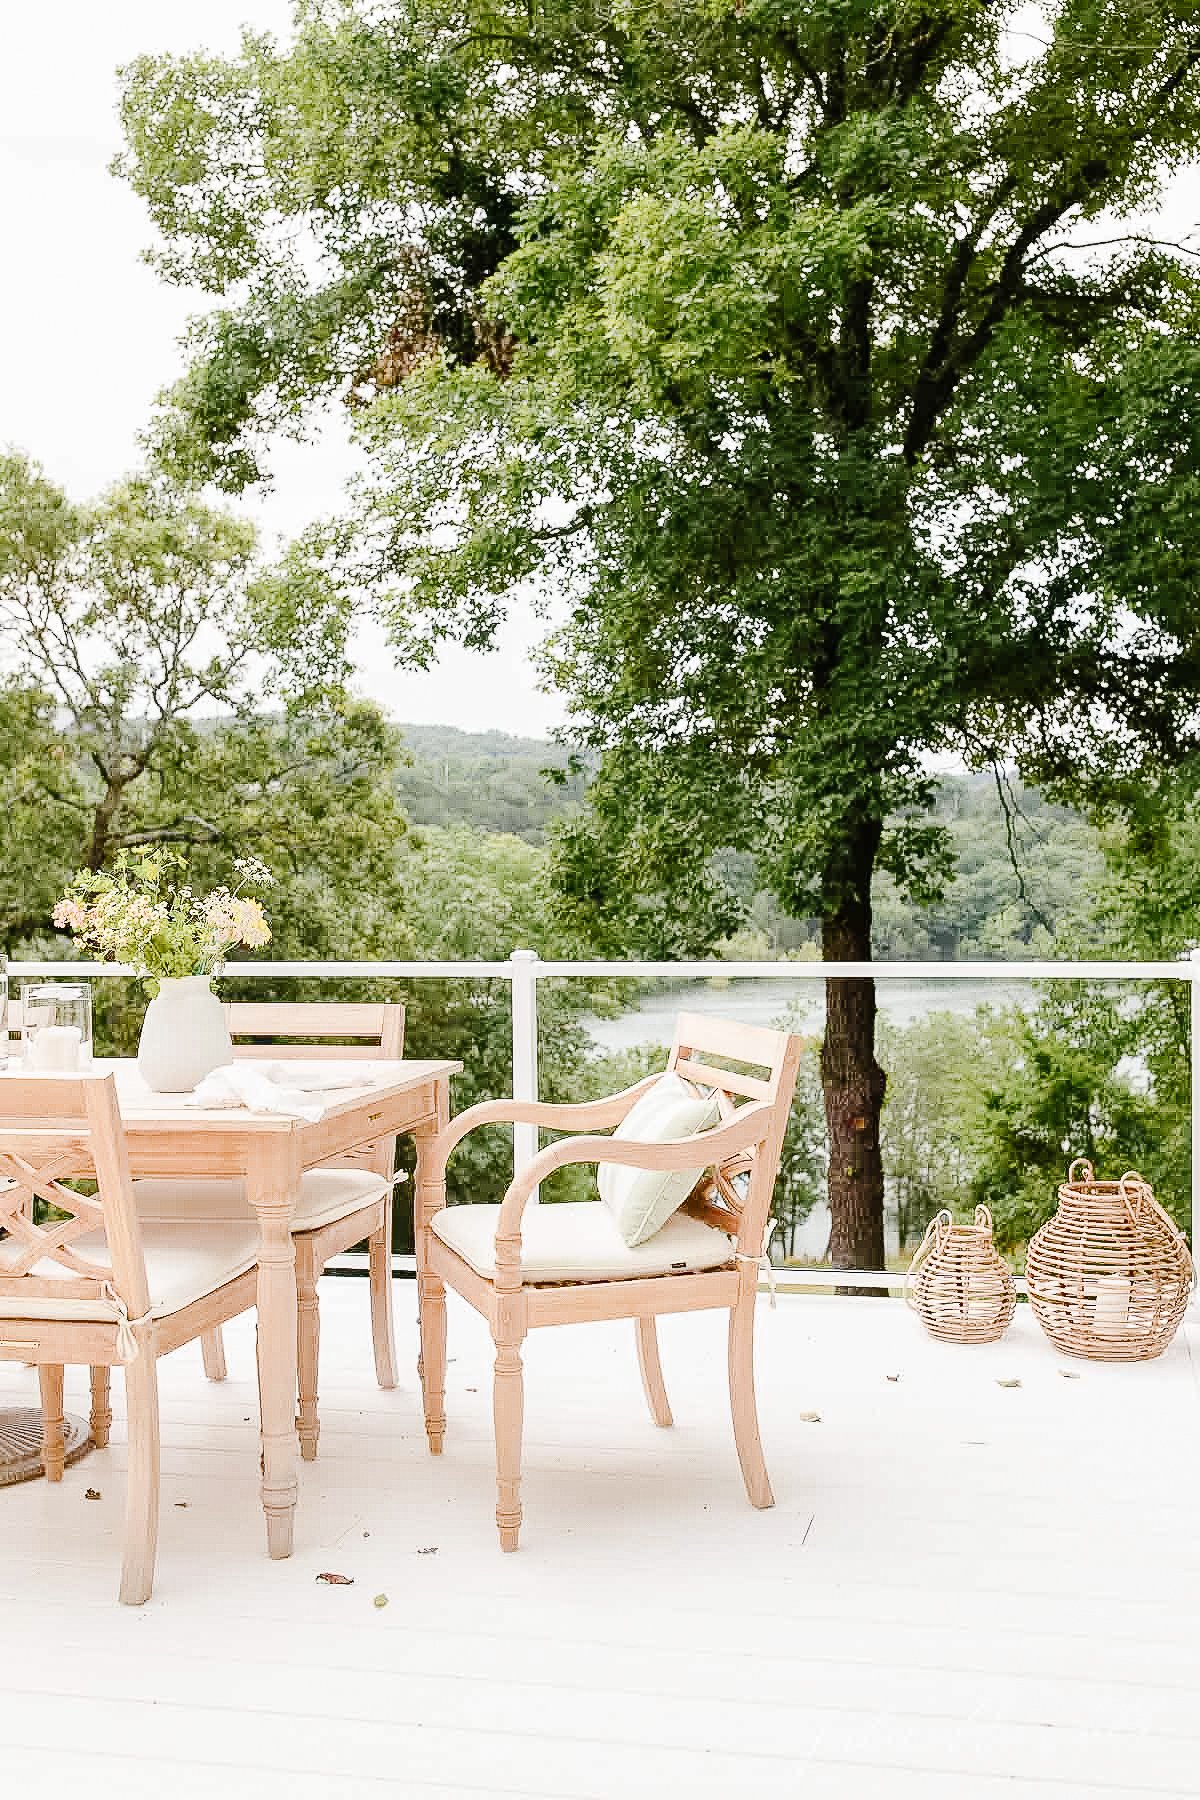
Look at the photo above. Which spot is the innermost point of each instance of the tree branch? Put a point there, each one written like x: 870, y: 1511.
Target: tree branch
x: 941, y: 375
x: 199, y: 831
x: 1011, y: 811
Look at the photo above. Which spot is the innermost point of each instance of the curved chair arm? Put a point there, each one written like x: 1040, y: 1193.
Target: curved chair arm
x: 749, y: 1125
x: 590, y: 1113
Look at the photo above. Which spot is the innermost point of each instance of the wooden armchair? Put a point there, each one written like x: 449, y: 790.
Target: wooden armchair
x: 564, y: 1262
x: 93, y: 1284
x: 337, y: 1207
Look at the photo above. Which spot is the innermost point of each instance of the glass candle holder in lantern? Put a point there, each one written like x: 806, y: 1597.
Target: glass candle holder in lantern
x: 56, y: 1026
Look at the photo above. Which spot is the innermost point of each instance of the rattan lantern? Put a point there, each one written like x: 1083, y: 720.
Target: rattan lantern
x: 958, y: 1284
x: 1109, y: 1275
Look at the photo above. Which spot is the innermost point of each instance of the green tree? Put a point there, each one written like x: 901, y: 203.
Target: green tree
x: 147, y: 703
x: 934, y: 1073
x: 807, y: 351
x: 158, y: 692
x: 1065, y: 1083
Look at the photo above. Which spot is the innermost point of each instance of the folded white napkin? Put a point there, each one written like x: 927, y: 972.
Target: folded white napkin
x: 277, y: 1087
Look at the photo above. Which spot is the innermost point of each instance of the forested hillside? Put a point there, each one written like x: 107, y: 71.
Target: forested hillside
x: 485, y: 779
x: 496, y: 783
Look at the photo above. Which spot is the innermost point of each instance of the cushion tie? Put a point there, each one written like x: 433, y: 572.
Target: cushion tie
x: 128, y: 1344
x: 763, y: 1259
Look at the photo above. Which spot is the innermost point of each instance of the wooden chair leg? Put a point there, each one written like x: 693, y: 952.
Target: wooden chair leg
x: 308, y: 1347
x: 383, y: 1334
x: 741, y: 1397
x: 141, y: 1493
x: 432, y: 1364
x: 653, y: 1384
x: 54, y: 1441
x: 212, y: 1349
x: 508, y: 1409
x: 101, y: 1419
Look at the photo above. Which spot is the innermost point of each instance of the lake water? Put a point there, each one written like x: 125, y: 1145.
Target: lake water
x: 767, y: 1000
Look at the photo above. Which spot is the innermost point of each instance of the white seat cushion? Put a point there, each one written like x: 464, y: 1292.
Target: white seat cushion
x: 182, y: 1264
x: 325, y: 1195
x: 642, y: 1200
x: 578, y: 1240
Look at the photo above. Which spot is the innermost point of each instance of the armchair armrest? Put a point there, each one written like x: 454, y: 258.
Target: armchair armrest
x: 585, y: 1117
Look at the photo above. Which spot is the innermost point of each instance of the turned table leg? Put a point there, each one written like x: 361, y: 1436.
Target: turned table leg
x: 271, y: 1184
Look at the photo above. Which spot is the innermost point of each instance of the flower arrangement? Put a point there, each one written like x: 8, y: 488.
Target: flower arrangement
x: 143, y: 913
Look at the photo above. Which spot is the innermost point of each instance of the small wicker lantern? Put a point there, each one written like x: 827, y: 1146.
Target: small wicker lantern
x: 958, y: 1284
x: 1109, y: 1275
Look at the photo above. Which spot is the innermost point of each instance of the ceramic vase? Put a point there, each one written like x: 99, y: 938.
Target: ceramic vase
x: 184, y: 1035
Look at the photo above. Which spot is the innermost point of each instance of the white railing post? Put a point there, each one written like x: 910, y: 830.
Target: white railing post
x: 524, y: 1052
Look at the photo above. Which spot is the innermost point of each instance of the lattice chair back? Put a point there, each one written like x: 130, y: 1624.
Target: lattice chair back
x: 736, y: 1197
x: 54, y: 1129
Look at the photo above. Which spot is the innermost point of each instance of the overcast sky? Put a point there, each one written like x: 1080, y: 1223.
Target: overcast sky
x: 90, y: 333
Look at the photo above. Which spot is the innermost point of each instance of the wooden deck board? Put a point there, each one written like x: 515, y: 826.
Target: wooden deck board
x: 965, y: 1590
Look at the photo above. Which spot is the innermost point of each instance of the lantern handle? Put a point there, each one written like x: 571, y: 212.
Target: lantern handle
x: 983, y: 1218
x: 1143, y: 1198
x: 936, y: 1232
x: 1089, y: 1173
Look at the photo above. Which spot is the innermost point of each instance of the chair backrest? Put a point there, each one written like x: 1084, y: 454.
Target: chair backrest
x: 339, y: 1028
x: 334, y: 1029
x: 737, y: 1197
x: 53, y: 1129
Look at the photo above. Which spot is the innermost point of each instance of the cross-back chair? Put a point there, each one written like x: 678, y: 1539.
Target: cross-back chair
x: 338, y: 1205
x: 558, y: 1263
x: 91, y: 1283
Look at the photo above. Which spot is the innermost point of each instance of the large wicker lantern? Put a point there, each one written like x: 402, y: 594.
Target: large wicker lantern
x: 1109, y: 1275
x: 958, y: 1284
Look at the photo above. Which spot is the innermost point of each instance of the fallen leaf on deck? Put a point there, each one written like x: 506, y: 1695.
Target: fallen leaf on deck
x: 891, y: 1378
x: 472, y: 1390
x: 379, y: 1600
x: 1010, y: 1383
x: 429, y: 1550
x: 91, y: 1493
x: 328, y: 1576
x: 182, y: 1503
x: 1069, y: 1374
x: 809, y: 1418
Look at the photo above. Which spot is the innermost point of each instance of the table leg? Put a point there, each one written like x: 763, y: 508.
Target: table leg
x: 429, y: 1196
x: 272, y: 1180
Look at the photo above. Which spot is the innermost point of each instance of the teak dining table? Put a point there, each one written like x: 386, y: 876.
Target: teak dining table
x: 269, y: 1152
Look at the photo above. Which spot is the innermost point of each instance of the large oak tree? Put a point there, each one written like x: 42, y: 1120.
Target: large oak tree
x: 806, y: 353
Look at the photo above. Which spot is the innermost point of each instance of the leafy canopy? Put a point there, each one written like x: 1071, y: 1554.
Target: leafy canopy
x: 146, y: 702
x: 805, y: 355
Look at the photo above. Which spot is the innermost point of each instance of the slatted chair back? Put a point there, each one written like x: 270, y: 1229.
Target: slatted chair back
x: 328, y: 1029
x: 737, y: 1197
x: 53, y: 1129
x: 300, y: 1028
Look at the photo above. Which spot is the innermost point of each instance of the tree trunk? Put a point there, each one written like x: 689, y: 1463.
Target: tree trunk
x: 853, y: 1081
x: 102, y: 822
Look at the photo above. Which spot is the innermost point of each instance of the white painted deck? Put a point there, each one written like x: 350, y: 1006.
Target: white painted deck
x: 965, y: 1590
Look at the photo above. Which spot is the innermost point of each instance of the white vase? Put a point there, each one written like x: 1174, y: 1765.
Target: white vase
x: 184, y: 1035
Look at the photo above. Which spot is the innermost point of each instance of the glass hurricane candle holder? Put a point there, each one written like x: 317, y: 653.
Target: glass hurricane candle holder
x: 56, y: 1026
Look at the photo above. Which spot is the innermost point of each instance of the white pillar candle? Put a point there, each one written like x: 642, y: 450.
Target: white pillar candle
x: 57, y: 1048
x: 1112, y: 1305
